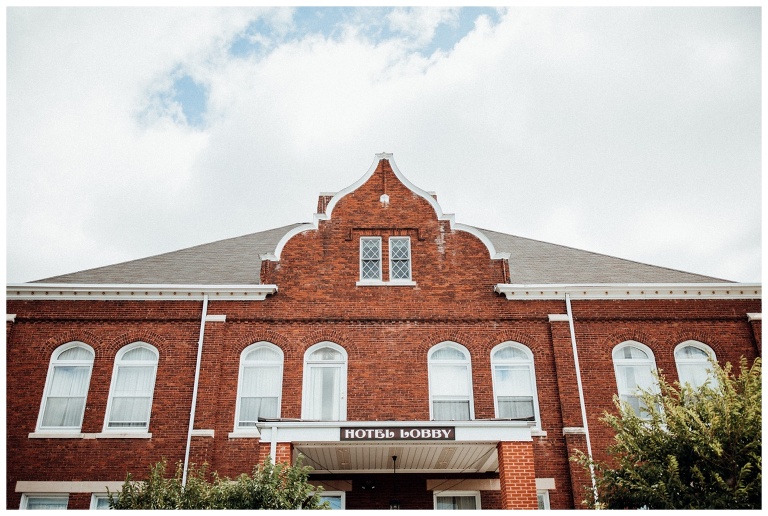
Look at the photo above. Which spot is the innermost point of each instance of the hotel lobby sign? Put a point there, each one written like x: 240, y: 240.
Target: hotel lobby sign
x: 417, y: 433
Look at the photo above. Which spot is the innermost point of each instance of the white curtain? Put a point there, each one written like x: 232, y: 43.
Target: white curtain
x: 632, y: 378
x: 131, y: 399
x: 49, y: 503
x: 514, y: 392
x: 456, y: 502
x: 325, y: 393
x: 259, y: 391
x: 450, y: 391
x: 66, y: 397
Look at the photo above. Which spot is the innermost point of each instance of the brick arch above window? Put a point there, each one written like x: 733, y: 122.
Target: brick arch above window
x: 460, y: 337
x: 533, y: 344
x: 273, y: 337
x: 328, y: 335
x: 84, y: 336
x: 712, y: 341
x: 609, y: 343
x: 149, y: 337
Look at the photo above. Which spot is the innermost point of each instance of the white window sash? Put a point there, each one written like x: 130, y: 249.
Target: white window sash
x: 399, y: 264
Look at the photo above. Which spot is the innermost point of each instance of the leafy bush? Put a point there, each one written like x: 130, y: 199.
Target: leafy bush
x: 693, y: 449
x: 270, y: 486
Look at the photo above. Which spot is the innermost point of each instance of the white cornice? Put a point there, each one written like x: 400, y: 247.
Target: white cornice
x: 632, y: 291
x: 124, y: 292
x: 449, y: 217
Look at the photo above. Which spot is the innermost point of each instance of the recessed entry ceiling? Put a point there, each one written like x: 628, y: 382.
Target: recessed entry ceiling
x: 475, y: 457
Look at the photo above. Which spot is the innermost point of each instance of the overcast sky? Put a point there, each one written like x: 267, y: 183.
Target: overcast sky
x: 633, y: 132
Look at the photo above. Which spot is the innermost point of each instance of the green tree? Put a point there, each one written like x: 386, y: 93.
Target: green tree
x: 270, y: 486
x: 692, y: 449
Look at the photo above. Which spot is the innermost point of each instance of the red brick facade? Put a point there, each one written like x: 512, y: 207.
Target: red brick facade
x: 387, y: 332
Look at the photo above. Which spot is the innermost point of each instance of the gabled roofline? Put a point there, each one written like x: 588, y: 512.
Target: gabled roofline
x: 449, y: 217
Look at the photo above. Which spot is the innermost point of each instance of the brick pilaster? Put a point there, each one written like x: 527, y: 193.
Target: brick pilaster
x: 517, y: 475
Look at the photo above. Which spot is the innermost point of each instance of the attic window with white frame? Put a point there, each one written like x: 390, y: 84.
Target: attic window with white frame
x: 371, y: 263
x: 370, y: 259
x: 399, y: 258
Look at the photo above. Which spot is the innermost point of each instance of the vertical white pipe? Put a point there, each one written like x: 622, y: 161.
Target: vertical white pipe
x: 194, y: 389
x: 581, y: 392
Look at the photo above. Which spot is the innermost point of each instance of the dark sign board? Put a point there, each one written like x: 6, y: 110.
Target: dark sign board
x: 399, y: 433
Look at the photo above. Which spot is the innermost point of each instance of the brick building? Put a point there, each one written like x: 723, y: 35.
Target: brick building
x: 413, y: 361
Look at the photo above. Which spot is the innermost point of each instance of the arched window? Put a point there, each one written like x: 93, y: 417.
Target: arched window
x: 261, y: 384
x: 693, y: 366
x: 634, y: 365
x: 66, y: 388
x: 514, y: 382
x: 133, y: 384
x: 450, y: 383
x: 325, y: 383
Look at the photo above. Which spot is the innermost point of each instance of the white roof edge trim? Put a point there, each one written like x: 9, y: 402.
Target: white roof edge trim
x: 169, y: 292
x: 357, y: 184
x: 632, y: 291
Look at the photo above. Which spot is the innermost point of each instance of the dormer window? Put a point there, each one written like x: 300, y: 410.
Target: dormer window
x: 370, y: 259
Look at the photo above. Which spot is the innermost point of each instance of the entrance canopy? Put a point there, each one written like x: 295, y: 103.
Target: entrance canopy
x: 420, y: 446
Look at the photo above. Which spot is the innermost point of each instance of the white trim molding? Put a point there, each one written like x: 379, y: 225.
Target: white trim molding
x: 755, y: 317
x: 10, y: 318
x: 429, y: 197
x: 558, y: 318
x: 631, y: 291
x: 125, y: 292
x: 203, y: 432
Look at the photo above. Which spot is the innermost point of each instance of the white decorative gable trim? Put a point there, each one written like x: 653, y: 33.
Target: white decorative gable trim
x: 449, y: 217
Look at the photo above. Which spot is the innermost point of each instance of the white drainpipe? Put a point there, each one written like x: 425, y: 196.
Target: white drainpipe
x: 581, y: 393
x: 194, y: 389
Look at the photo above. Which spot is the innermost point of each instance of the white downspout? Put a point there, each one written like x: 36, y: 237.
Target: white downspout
x: 194, y: 389
x: 581, y: 393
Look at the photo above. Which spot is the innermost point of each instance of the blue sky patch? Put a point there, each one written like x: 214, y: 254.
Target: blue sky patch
x: 193, y: 99
x: 372, y: 22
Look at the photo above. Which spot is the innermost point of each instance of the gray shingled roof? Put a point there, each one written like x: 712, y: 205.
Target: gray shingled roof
x: 235, y: 261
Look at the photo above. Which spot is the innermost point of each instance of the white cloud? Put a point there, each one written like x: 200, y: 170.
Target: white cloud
x: 634, y: 132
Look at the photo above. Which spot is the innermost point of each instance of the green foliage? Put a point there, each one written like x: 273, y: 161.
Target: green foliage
x: 270, y: 486
x: 693, y: 449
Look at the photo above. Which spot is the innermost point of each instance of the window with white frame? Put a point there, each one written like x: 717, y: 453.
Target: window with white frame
x: 133, y: 385
x: 370, y: 258
x: 66, y: 388
x: 542, y: 497
x: 335, y: 499
x: 100, y: 501
x: 514, y: 382
x: 457, y: 500
x: 36, y: 502
x: 325, y: 383
x: 634, y: 365
x: 399, y: 258
x: 693, y: 365
x: 450, y: 383
x: 261, y: 384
